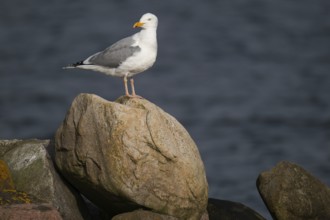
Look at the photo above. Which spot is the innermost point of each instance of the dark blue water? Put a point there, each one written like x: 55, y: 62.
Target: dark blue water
x: 250, y: 80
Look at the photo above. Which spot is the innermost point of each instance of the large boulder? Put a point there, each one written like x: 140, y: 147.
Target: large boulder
x: 129, y: 153
x: 35, y: 179
x: 290, y: 192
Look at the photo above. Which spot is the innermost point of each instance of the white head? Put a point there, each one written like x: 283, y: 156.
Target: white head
x: 147, y: 20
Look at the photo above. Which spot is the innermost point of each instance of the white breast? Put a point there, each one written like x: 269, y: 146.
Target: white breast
x: 143, y: 59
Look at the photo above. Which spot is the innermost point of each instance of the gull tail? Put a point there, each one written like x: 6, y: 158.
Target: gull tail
x: 74, y: 65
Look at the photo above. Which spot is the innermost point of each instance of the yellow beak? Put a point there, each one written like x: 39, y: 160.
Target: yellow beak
x: 138, y: 24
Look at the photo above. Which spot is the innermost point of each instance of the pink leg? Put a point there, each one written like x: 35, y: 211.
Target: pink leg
x: 133, y: 89
x: 126, y: 87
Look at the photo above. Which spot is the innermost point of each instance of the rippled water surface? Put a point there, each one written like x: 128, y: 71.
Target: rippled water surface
x: 250, y: 80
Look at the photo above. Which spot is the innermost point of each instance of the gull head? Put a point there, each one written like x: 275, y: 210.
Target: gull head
x: 147, y: 20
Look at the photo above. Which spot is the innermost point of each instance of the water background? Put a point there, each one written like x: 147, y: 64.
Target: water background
x: 250, y: 80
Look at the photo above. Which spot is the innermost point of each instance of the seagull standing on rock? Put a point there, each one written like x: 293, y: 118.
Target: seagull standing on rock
x: 127, y: 57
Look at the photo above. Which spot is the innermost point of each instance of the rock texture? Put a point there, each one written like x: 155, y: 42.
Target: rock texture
x: 290, y: 192
x: 6, y: 181
x: 10, y: 197
x: 143, y: 215
x: 148, y: 215
x: 216, y: 209
x: 29, y: 211
x: 35, y: 179
x: 8, y: 193
x: 130, y: 152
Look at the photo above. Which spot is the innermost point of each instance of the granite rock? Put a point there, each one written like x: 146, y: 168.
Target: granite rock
x: 143, y: 215
x: 130, y: 154
x: 6, y: 181
x: 29, y: 211
x: 35, y: 179
x: 290, y: 192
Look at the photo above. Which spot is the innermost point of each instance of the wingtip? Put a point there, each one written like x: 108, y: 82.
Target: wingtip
x: 68, y: 67
x: 74, y: 65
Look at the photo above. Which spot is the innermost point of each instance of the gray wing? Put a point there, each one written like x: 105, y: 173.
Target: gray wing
x: 114, y: 55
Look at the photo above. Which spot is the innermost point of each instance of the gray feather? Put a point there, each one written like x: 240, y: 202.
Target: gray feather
x: 114, y: 55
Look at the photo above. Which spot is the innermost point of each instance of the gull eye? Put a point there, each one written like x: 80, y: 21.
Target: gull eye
x: 149, y: 19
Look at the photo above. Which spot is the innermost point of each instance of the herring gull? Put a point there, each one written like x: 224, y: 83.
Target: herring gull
x: 128, y: 56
